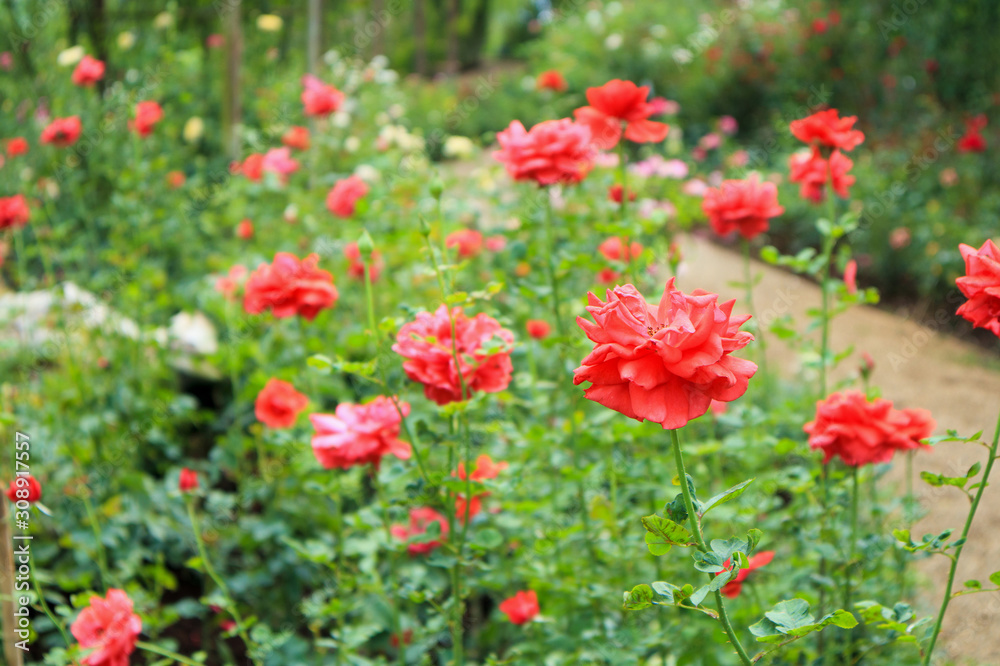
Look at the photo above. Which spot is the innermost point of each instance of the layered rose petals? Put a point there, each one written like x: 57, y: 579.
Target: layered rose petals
x: 616, y: 103
x: 290, y: 286
x: 981, y: 285
x: 62, y: 132
x: 812, y: 172
x: 827, y: 128
x: 360, y: 434
x: 741, y: 205
x: 318, y: 98
x: 14, y: 211
x: 420, y: 518
x: 482, y: 345
x: 554, y: 151
x: 108, y: 626
x: 663, y: 363
x: 278, y: 404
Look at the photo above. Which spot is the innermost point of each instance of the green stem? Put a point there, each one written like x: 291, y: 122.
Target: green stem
x: 102, y: 556
x: 623, y: 171
x: 962, y: 540
x: 852, y: 547
x: 393, y: 598
x: 22, y: 261
x: 761, y: 342
x: 702, y: 546
x: 220, y: 583
x: 163, y: 652
x: 48, y: 611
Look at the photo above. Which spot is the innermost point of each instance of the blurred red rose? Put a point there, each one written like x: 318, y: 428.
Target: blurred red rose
x: 420, y: 518
x: 290, y: 286
x: 17, y: 146
x: 147, y: 114
x: 733, y: 588
x: 520, y: 608
x: 175, y: 179
x: 279, y: 161
x: 344, y: 196
x: 245, y: 229
x: 25, y: 488
x: 827, y: 128
x: 188, y: 480
x: 972, y: 141
x: 981, y: 285
x: 851, y: 276
x: 356, y: 268
x: 553, y: 151
x: 613, y: 249
x: 468, y: 241
x: 252, y: 167
x: 538, y: 329
x: 110, y: 627
x: 663, y: 363
x: 616, y: 103
x: 62, y: 132
x: 551, y: 80
x: 812, y: 173
x: 483, y: 348
x: 741, y: 205
x: 278, y: 404
x: 296, y: 137
x: 14, y: 211
x: 485, y: 469
x: 88, y: 71
x: 318, y: 98
x: 360, y: 434
x: 863, y: 432
x: 615, y: 193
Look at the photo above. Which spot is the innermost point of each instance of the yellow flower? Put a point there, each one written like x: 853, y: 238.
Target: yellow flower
x: 70, y: 56
x: 269, y: 22
x: 126, y: 40
x: 193, y: 129
x: 163, y: 20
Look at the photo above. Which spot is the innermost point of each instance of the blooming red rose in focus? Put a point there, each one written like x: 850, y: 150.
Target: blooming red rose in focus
x: 827, y: 128
x: 356, y: 267
x: 188, y: 480
x: 468, y: 241
x: 419, y: 520
x: 17, y: 146
x: 616, y: 103
x: 296, y: 137
x: 344, y: 195
x: 62, y: 132
x: 616, y: 192
x: 278, y: 404
x: 88, y: 71
x: 538, y: 329
x: 290, y: 286
x: 981, y: 285
x: 812, y: 172
x: 483, y: 347
x: 613, y: 249
x: 553, y: 151
x: 25, y: 488
x: 863, y: 432
x: 741, y: 205
x: 360, y: 434
x: 147, y: 114
x: 14, y: 211
x: 551, y: 80
x: 972, y: 141
x: 664, y: 363
x: 110, y: 627
x: 520, y: 608
x: 733, y: 588
x: 318, y: 98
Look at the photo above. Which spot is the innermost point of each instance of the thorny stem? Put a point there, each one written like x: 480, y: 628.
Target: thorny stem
x: 696, y: 528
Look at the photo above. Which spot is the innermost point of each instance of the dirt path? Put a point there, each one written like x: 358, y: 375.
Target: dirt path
x: 915, y: 366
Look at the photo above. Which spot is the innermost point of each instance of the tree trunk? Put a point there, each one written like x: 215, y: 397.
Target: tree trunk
x: 232, y: 109
x: 454, y: 11
x: 315, y: 22
x: 420, y: 37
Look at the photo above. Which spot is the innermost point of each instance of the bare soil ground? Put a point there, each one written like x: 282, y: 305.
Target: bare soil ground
x: 916, y: 366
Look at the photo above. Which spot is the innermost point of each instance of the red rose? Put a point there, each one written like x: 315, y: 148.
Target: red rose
x: 25, y: 488
x: 485, y: 469
x: 290, y: 286
x: 520, y: 608
x: 973, y: 141
x: 741, y: 205
x: 851, y: 276
x: 147, y: 114
x: 245, y: 229
x: 344, y: 195
x: 553, y: 151
x: 827, y: 128
x: 318, y: 98
x: 88, y: 71
x: 538, y: 329
x: 981, y: 285
x: 419, y: 519
x: 356, y: 268
x: 188, y: 480
x: 110, y: 627
x: 613, y: 249
x: 14, y: 211
x: 62, y: 132
x: 812, y: 173
x: 468, y: 241
x: 551, y: 80
x: 483, y: 349
x: 864, y: 432
x: 620, y: 102
x: 616, y: 192
x: 17, y: 146
x: 733, y: 588
x: 359, y: 434
x: 663, y: 363
x: 296, y: 137
x: 278, y: 404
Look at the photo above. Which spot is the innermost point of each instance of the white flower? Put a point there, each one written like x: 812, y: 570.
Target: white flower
x: 396, y: 110
x: 341, y: 119
x: 459, y: 147
x: 387, y: 77
x: 380, y: 62
x: 382, y: 118
x: 682, y: 56
x: 70, y: 56
x: 193, y: 129
x: 659, y: 31
x: 352, y: 144
x: 193, y: 332
x: 594, y: 19
x: 613, y: 42
x: 613, y: 9
x: 367, y: 173
x: 269, y: 22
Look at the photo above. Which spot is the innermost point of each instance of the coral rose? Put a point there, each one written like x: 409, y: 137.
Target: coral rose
x: 344, y: 196
x: 538, y: 329
x: 279, y: 161
x: 62, y: 132
x: 616, y: 103
x: 520, y: 608
x: 981, y: 285
x: 110, y: 627
x: 296, y: 137
x: 613, y: 249
x: 14, y: 211
x: 812, y: 172
x: 468, y: 241
x: 553, y: 151
x: 278, y: 404
x: 290, y: 286
x: 663, y: 363
x: 88, y: 71
x: 17, y: 146
x: 147, y: 114
x: 551, y: 80
x: 733, y: 588
x: 318, y: 98
x: 827, y: 128
x: 419, y: 520
x: 863, y: 432
x: 25, y: 488
x: 245, y: 229
x: 484, y: 470
x: 359, y: 434
x: 188, y: 480
x: 741, y: 205
x: 482, y: 345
